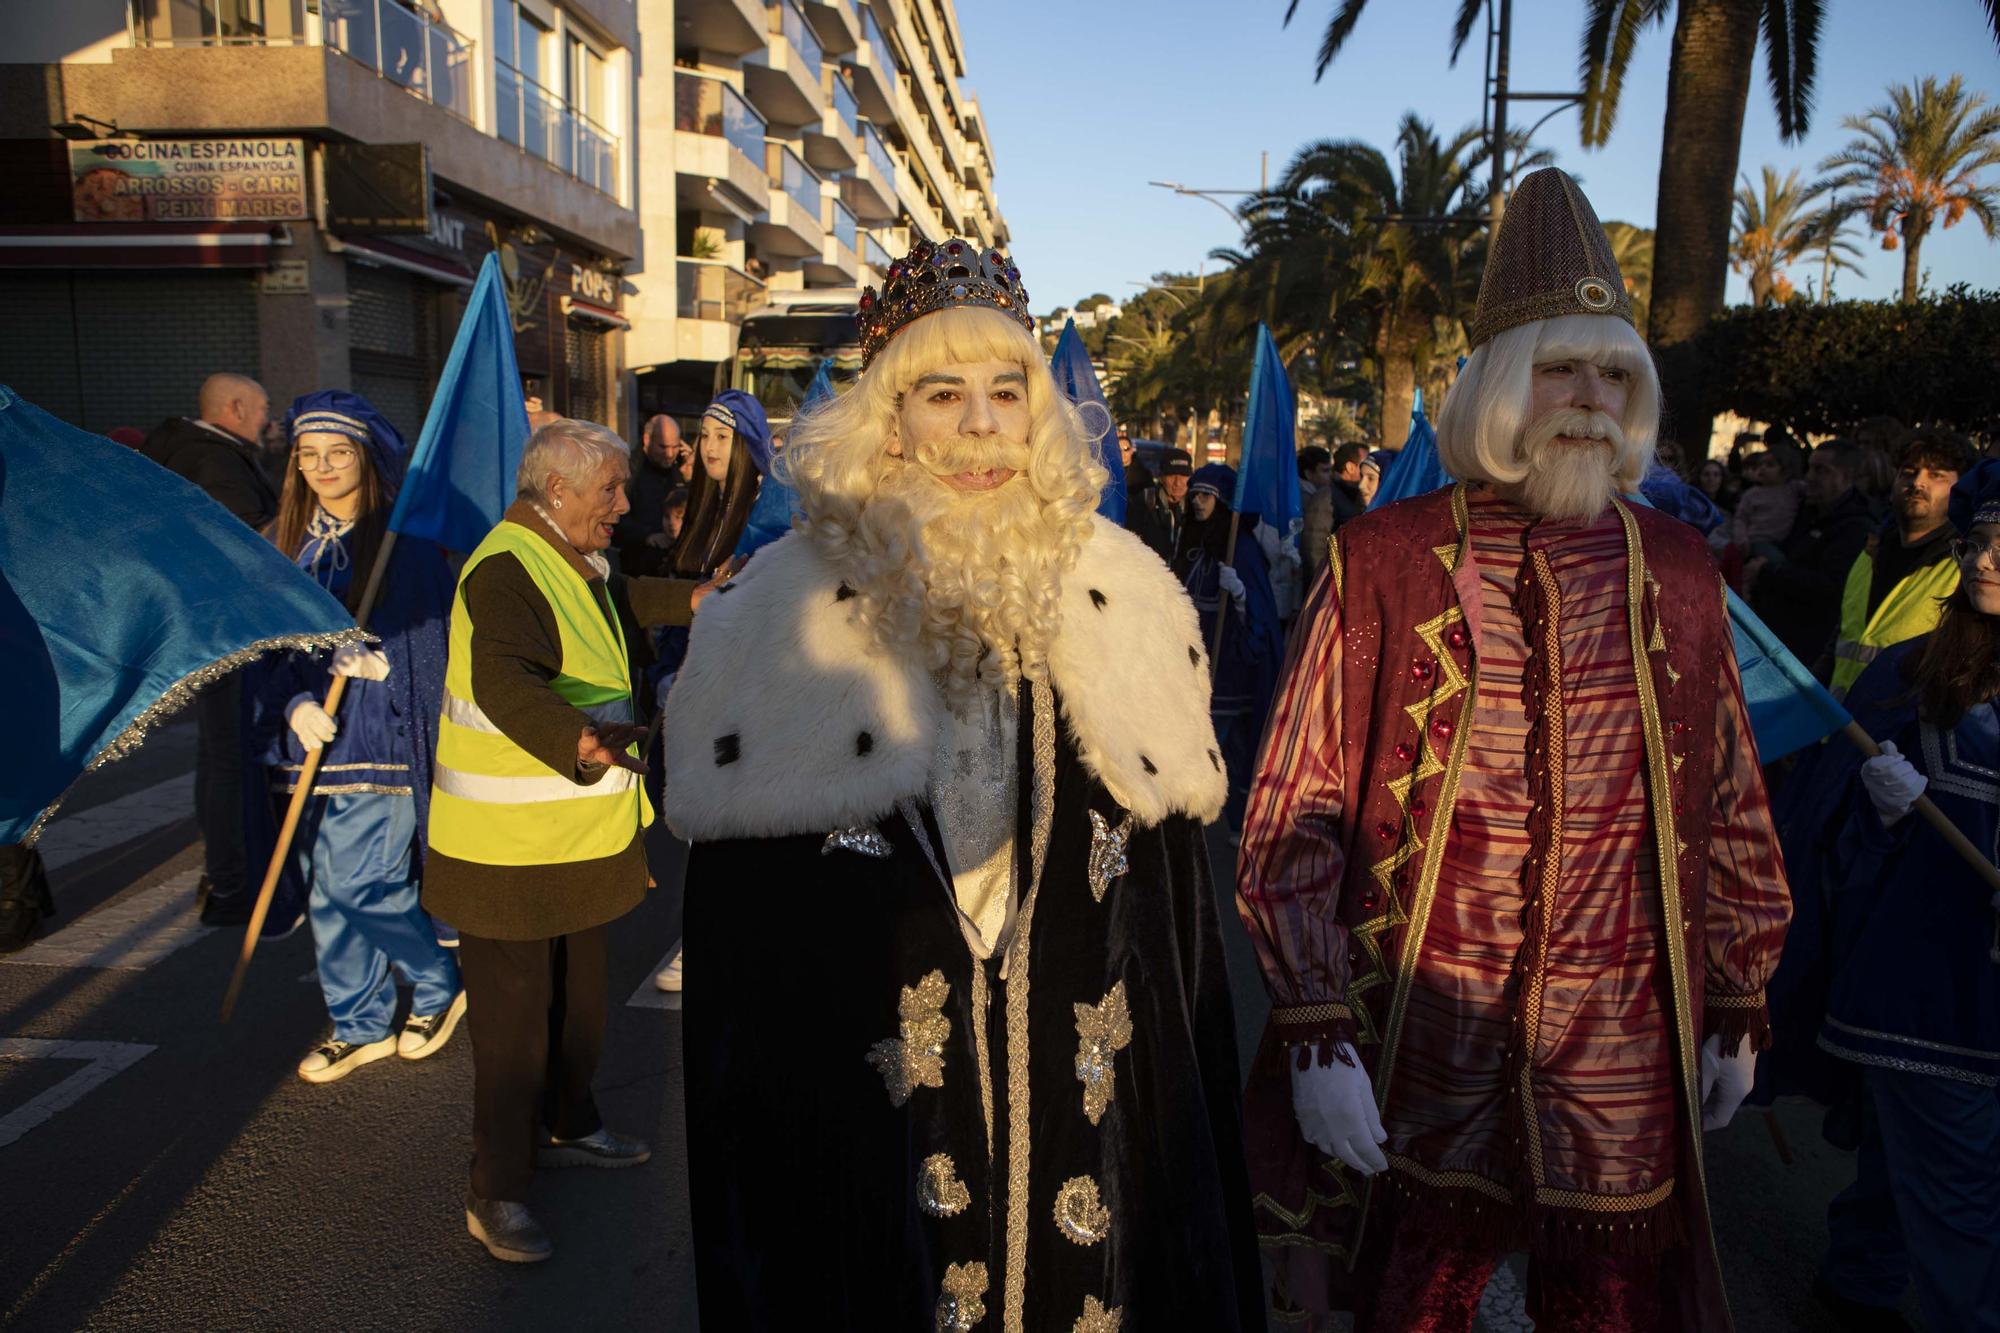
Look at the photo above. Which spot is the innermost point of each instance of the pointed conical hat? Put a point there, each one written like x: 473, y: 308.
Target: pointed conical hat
x: 1551, y: 257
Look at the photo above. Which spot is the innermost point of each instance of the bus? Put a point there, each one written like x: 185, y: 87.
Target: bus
x: 783, y: 342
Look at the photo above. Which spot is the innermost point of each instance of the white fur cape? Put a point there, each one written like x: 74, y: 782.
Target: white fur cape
x: 788, y: 717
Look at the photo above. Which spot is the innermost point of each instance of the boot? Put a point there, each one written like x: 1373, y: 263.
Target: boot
x: 24, y: 895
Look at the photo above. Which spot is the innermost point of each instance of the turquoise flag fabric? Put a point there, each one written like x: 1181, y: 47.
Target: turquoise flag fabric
x: 771, y: 514
x: 1417, y: 470
x: 1789, y: 709
x: 1267, y: 483
x: 123, y: 590
x: 461, y: 477
x: 1071, y: 367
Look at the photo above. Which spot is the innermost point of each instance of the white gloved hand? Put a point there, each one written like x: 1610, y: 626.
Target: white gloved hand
x: 1335, y: 1105
x: 1232, y: 582
x: 1893, y: 783
x: 313, y: 725
x: 1725, y: 1081
x: 351, y: 659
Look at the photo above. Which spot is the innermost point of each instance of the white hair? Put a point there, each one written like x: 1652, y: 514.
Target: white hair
x: 570, y: 449
x: 972, y: 581
x: 1485, y: 414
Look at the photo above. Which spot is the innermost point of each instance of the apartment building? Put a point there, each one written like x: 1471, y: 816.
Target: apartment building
x: 812, y: 141
x: 304, y: 190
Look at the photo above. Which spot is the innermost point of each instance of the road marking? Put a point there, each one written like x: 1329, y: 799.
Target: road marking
x: 70, y: 838
x: 131, y: 932
x: 104, y: 1059
x: 650, y: 996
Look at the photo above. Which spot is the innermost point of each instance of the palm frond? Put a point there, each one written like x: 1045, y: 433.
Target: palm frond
x: 1468, y: 14
x: 1791, y: 47
x: 1609, y: 36
x: 1338, y: 30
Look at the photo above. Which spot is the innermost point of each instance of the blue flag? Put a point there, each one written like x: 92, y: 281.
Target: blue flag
x: 1789, y: 709
x: 771, y: 514
x: 1071, y: 367
x: 123, y: 589
x: 1267, y: 483
x: 1417, y: 470
x: 461, y: 476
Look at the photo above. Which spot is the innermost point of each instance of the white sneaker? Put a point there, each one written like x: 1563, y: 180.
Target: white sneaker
x: 334, y: 1058
x: 423, y: 1034
x: 669, y: 977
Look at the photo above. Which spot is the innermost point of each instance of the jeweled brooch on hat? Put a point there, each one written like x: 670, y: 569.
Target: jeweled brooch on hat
x: 931, y: 277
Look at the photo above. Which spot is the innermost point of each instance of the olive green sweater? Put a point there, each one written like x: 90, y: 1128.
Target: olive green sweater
x: 516, y: 652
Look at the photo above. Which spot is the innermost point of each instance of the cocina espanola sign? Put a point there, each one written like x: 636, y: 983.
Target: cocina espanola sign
x: 188, y: 180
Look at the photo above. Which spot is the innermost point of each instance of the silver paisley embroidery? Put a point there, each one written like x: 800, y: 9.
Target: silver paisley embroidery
x: 1102, y: 1030
x: 860, y: 839
x: 1080, y: 1213
x: 939, y: 1189
x: 916, y: 1058
x: 1096, y: 1319
x: 1107, y: 852
x: 962, y: 1301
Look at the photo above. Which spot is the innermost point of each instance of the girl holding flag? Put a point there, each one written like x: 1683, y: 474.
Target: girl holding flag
x: 358, y: 856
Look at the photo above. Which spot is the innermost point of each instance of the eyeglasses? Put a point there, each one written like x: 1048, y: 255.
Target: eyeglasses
x: 340, y: 458
x: 1964, y: 549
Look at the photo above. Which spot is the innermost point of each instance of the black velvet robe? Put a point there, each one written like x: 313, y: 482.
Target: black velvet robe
x: 806, y: 1179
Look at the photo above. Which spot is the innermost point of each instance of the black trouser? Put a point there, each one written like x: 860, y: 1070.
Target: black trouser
x: 218, y: 783
x: 537, y: 1010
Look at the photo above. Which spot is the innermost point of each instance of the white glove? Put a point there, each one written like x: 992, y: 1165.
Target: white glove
x: 351, y: 659
x: 312, y: 724
x: 1335, y: 1105
x: 1893, y: 783
x: 1232, y: 582
x: 1725, y: 1081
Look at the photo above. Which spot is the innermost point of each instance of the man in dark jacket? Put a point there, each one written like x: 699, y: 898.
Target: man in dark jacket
x: 661, y: 467
x: 217, y: 450
x: 1155, y: 516
x: 1797, y: 590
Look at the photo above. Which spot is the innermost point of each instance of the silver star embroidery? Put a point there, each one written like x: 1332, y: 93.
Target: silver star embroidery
x: 916, y: 1058
x: 1102, y: 1030
x: 860, y: 838
x: 1107, y: 852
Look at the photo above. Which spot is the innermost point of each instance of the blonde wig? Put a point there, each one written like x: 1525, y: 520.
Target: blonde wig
x: 1484, y: 420
x: 970, y: 580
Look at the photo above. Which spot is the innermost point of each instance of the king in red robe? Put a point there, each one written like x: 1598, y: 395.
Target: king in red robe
x: 1508, y: 861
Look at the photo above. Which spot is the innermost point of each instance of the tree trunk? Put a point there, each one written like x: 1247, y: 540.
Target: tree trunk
x: 1913, y: 240
x: 1708, y: 86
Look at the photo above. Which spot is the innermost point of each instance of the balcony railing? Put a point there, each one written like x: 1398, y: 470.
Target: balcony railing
x: 871, y: 32
x: 703, y: 105
x: 789, y: 21
x: 842, y: 224
x: 532, y: 118
x: 790, y: 173
x: 873, y: 255
x: 844, y: 105
x: 879, y: 156
x: 425, y: 57
x: 710, y: 289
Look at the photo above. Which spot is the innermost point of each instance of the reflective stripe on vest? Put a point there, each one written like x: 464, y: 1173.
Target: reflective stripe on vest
x: 482, y: 778
x: 1910, y: 608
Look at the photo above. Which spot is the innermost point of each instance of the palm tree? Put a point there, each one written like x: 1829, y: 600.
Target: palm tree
x: 1776, y: 227
x: 1708, y: 91
x: 1632, y: 247
x: 1332, y: 264
x: 1917, y: 161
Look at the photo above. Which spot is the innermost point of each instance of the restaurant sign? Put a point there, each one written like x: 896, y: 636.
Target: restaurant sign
x: 188, y: 180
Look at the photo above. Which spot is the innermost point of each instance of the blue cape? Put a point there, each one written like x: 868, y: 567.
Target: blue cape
x: 123, y: 590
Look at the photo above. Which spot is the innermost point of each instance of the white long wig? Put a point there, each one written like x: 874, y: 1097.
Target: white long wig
x: 1486, y: 412
x: 971, y: 581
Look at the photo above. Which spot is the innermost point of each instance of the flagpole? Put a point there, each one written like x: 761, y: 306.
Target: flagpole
x: 290, y: 827
x: 1222, y: 595
x: 1947, y: 830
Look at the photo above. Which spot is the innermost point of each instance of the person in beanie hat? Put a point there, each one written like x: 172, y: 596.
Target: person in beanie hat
x: 959, y: 1049
x: 1156, y: 519
x: 1508, y: 860
x: 1252, y: 646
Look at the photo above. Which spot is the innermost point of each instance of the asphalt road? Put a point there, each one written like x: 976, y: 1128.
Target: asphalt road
x: 160, y: 1171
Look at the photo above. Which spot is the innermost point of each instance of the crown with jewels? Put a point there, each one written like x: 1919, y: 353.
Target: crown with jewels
x: 931, y: 277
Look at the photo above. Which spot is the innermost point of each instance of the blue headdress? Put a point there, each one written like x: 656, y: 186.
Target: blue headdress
x: 745, y: 415
x: 338, y: 412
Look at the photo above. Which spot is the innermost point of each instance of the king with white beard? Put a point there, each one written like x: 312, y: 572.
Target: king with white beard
x: 959, y: 1046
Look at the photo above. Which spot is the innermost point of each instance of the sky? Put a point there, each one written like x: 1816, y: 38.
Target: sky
x: 1087, y: 100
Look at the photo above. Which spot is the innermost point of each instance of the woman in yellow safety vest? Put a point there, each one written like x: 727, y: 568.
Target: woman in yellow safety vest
x: 538, y: 814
